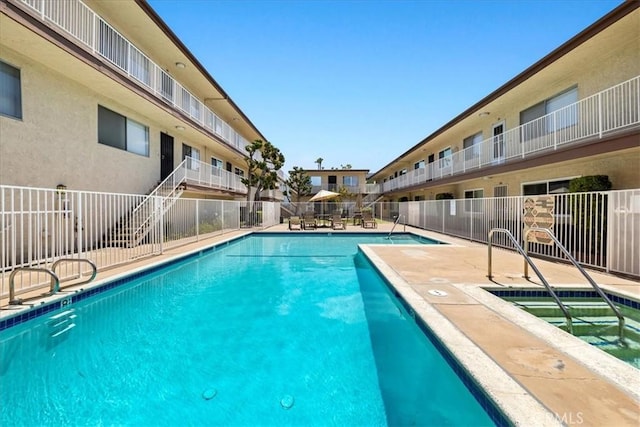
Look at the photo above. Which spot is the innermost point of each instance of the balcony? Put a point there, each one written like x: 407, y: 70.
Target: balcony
x: 89, y: 30
x: 203, y: 174
x: 595, y: 117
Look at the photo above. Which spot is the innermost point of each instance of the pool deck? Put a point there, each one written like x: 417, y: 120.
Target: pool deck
x: 537, y: 373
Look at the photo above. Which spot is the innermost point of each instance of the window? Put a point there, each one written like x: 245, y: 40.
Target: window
x: 546, y: 187
x: 216, y: 163
x: 120, y: 132
x: 471, y: 146
x: 566, y: 116
x: 238, y: 172
x: 500, y: 191
x: 194, y: 156
x: 403, y: 172
x: 473, y: 205
x: 350, y: 181
x: 445, y: 157
x: 316, y: 181
x: 419, y: 165
x: 10, y: 93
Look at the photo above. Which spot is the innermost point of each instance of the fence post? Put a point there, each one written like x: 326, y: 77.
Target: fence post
x: 197, y: 220
x: 600, y: 114
x: 78, y: 225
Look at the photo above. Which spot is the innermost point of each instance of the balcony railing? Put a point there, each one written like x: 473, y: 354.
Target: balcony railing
x: 93, y: 32
x: 605, y: 112
x: 205, y: 175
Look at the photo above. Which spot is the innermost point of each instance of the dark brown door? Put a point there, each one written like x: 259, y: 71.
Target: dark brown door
x: 166, y: 155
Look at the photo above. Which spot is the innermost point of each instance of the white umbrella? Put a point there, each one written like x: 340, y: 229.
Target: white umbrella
x: 323, y: 195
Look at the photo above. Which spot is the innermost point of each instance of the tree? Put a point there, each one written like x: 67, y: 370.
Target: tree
x: 263, y: 162
x: 319, y: 162
x: 300, y: 183
x: 347, y: 166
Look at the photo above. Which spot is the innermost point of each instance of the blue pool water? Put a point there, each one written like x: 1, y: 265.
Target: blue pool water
x: 268, y: 330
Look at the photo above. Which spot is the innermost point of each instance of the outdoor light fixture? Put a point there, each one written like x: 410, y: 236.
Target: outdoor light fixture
x: 61, y: 189
x: 179, y: 127
x: 180, y: 65
x: 484, y: 114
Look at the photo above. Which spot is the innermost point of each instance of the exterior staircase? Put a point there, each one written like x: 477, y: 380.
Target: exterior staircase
x: 136, y: 225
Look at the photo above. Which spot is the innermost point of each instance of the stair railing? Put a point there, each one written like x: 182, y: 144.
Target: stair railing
x: 148, y: 211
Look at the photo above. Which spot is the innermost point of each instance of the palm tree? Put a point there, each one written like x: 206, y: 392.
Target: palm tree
x: 319, y: 162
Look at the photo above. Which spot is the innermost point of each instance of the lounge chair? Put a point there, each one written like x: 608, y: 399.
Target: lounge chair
x: 294, y: 223
x: 368, y: 221
x: 338, y: 223
x: 309, y: 221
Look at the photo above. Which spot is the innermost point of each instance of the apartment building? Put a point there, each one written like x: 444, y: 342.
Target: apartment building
x: 103, y: 96
x: 575, y: 112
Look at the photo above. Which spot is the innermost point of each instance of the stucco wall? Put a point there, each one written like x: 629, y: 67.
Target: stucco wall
x: 58, y: 138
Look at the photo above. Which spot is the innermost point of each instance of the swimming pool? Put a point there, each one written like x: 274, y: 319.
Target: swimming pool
x: 269, y: 330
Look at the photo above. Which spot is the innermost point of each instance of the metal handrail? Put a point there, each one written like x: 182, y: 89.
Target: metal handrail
x: 593, y: 284
x: 88, y: 261
x: 528, y: 260
x: 394, y: 225
x: 55, y: 282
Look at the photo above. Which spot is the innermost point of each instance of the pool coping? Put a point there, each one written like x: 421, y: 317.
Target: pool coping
x: 513, y: 400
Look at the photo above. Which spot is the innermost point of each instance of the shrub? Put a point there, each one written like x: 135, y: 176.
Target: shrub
x: 444, y: 196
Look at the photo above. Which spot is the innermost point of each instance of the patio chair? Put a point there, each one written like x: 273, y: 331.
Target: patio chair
x: 368, y: 221
x: 295, y: 223
x: 337, y: 222
x: 309, y: 221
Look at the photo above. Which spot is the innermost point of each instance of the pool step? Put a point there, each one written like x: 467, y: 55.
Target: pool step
x: 61, y: 323
x: 577, y: 309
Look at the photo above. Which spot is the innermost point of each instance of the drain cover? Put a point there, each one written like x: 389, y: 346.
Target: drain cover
x: 438, y: 293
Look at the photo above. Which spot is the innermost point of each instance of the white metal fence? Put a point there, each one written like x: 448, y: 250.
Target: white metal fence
x: 40, y: 226
x: 599, y: 229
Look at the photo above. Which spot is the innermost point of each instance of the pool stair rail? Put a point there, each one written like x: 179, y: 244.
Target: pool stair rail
x: 61, y: 323
x: 528, y: 261
x: 586, y: 275
x: 54, y: 279
x: 396, y: 223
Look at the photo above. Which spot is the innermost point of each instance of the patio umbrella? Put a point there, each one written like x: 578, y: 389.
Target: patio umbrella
x: 323, y: 195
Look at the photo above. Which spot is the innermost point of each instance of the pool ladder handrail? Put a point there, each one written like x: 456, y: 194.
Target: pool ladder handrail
x: 55, y: 280
x: 396, y: 223
x: 528, y: 261
x: 592, y: 282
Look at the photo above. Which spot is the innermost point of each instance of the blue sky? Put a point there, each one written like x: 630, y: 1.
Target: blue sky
x: 360, y: 82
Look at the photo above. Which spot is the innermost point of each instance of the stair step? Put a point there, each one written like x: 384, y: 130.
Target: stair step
x: 68, y: 328
x: 65, y: 313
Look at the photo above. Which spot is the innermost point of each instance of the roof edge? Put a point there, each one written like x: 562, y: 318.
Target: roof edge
x: 146, y: 7
x: 600, y: 25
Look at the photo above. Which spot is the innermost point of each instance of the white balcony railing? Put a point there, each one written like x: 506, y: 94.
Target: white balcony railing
x: 90, y: 30
x: 205, y: 175
x: 605, y: 112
